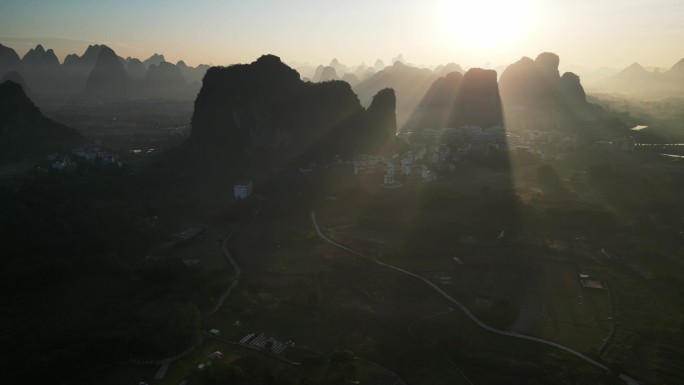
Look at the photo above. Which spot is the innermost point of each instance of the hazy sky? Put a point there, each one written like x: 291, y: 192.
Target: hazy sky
x: 593, y: 33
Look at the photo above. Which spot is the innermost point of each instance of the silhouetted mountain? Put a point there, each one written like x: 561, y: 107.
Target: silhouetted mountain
x: 305, y: 71
x: 366, y: 74
x: 477, y: 101
x: 318, y: 72
x: 328, y: 73
x: 572, y: 88
x: 262, y: 111
x: 361, y: 70
x: 677, y: 71
x: 535, y: 96
x: 155, y: 59
x: 192, y: 74
x: 443, y: 70
x: 381, y: 121
x: 24, y: 131
x: 537, y: 84
x: 15, y: 77
x: 202, y: 69
x: 379, y: 65
x: 547, y: 63
x: 78, y: 68
x: 9, y: 60
x: 351, y: 79
x: 136, y: 69
x: 85, y: 61
x: 522, y: 84
x: 108, y: 80
x: 436, y: 108
x: 51, y: 81
x: 183, y: 68
x: 589, y: 74
x: 340, y: 68
x: 40, y: 58
x: 42, y: 71
x: 399, y: 58
x: 410, y: 84
x: 165, y: 81
x: 636, y: 79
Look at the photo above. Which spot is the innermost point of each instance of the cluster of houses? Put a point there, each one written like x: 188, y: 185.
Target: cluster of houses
x: 493, y: 136
x: 440, y: 150
x: 422, y: 162
x: 450, y: 147
x: 418, y: 164
x: 89, y: 155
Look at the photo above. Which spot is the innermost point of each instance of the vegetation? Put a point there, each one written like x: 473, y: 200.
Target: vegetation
x: 77, y: 288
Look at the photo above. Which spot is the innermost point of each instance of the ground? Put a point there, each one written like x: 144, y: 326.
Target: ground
x: 297, y: 287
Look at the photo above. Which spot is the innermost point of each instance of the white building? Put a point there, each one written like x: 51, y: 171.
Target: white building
x: 427, y: 175
x: 365, y: 164
x: 391, y: 169
x: 242, y: 190
x: 388, y: 179
x: 62, y: 163
x: 410, y: 169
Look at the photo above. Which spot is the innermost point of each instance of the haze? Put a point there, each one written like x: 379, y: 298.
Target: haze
x: 266, y: 192
x: 588, y: 33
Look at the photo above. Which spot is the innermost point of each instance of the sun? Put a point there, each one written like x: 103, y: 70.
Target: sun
x: 484, y: 25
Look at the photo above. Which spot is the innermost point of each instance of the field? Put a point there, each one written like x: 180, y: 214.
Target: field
x: 295, y: 286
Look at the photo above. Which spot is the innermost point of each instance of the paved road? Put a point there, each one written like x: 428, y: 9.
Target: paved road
x: 235, y: 278
x: 625, y: 378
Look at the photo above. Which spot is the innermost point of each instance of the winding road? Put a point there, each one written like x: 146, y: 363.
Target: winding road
x: 628, y: 380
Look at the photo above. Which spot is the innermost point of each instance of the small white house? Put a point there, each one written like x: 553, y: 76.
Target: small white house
x: 389, y: 179
x: 242, y: 190
x: 427, y: 175
x: 391, y: 169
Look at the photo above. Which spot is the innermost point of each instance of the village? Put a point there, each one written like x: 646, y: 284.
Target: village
x: 434, y: 152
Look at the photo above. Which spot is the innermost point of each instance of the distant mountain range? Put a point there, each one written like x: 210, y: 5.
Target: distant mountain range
x: 410, y: 84
x: 265, y: 109
x: 100, y: 75
x: 530, y: 94
x: 637, y: 80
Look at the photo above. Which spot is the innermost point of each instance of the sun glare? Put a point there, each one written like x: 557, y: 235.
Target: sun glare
x: 484, y: 25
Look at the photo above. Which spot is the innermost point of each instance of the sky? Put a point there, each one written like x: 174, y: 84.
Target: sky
x: 589, y: 33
